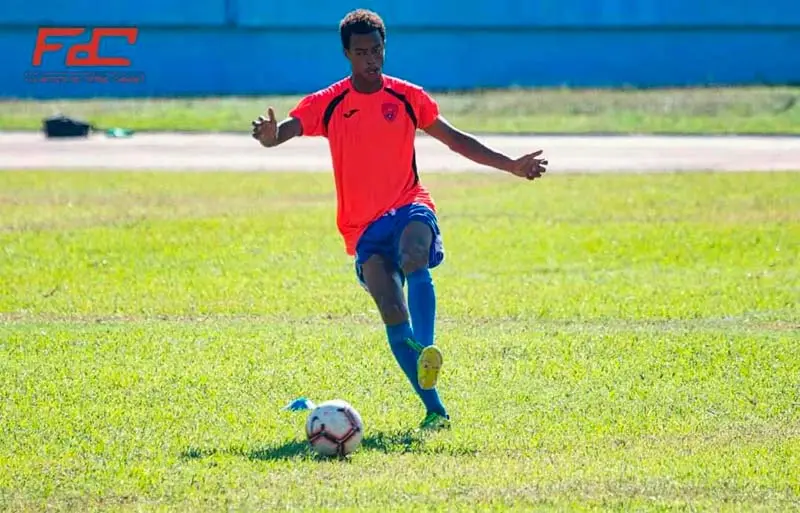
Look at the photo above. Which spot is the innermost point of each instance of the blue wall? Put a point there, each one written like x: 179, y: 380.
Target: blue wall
x: 264, y: 46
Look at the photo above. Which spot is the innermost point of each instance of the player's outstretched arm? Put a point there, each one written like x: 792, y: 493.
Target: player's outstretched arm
x: 270, y: 133
x: 528, y: 166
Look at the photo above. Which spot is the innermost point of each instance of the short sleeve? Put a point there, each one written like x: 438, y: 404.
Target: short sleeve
x: 309, y: 111
x: 428, y: 109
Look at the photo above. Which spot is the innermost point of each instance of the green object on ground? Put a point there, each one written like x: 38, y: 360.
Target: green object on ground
x: 119, y: 132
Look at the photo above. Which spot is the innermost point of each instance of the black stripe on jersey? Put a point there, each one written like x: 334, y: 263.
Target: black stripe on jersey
x: 331, y: 107
x: 414, y: 167
x: 402, y: 98
x: 410, y: 112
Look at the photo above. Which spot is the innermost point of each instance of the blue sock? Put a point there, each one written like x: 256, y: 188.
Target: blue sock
x: 422, y: 305
x: 407, y: 359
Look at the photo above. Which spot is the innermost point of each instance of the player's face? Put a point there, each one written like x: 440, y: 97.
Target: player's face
x: 366, y: 55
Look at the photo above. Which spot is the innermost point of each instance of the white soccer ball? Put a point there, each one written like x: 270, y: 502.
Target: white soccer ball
x: 334, y: 428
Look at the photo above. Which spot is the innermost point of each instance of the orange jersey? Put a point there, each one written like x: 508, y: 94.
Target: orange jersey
x: 371, y: 139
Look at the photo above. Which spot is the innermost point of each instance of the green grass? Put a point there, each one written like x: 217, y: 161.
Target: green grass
x: 706, y: 110
x: 611, y: 342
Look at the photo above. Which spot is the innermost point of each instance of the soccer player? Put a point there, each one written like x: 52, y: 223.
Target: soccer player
x: 384, y: 214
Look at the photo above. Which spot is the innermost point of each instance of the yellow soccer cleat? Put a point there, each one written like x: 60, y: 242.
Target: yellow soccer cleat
x: 429, y: 364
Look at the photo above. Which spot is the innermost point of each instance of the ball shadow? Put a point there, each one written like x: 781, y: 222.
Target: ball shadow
x: 397, y: 442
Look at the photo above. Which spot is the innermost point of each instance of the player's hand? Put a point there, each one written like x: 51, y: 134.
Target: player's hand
x: 265, y: 130
x: 529, y: 166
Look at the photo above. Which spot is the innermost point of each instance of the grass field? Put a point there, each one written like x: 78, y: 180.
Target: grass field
x: 696, y: 111
x: 611, y: 341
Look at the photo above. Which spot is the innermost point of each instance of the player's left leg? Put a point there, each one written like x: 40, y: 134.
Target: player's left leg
x: 378, y: 271
x: 420, y: 249
x: 414, y: 247
x: 381, y: 278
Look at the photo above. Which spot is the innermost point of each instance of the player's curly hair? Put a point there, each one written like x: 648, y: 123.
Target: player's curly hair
x: 360, y: 21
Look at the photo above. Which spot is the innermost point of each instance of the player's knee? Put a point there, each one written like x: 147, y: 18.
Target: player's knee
x: 392, y: 312
x: 414, y: 258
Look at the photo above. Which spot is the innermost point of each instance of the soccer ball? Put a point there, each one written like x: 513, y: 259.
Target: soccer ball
x: 334, y: 428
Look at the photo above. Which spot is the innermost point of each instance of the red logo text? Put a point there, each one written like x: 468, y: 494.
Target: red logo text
x: 82, y: 54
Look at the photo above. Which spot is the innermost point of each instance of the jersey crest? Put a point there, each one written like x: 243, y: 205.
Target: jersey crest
x: 389, y: 111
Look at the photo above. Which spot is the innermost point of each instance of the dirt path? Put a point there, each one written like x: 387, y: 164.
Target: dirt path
x: 231, y: 152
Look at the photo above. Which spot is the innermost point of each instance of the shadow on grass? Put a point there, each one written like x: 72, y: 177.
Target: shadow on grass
x: 398, y: 442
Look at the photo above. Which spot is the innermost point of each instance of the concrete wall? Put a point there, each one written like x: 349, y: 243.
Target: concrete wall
x: 239, y: 47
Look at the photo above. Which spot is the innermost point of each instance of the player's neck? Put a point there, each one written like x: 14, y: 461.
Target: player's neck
x: 364, y: 86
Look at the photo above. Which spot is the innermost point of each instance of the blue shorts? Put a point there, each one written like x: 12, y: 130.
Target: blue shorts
x: 383, y: 237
